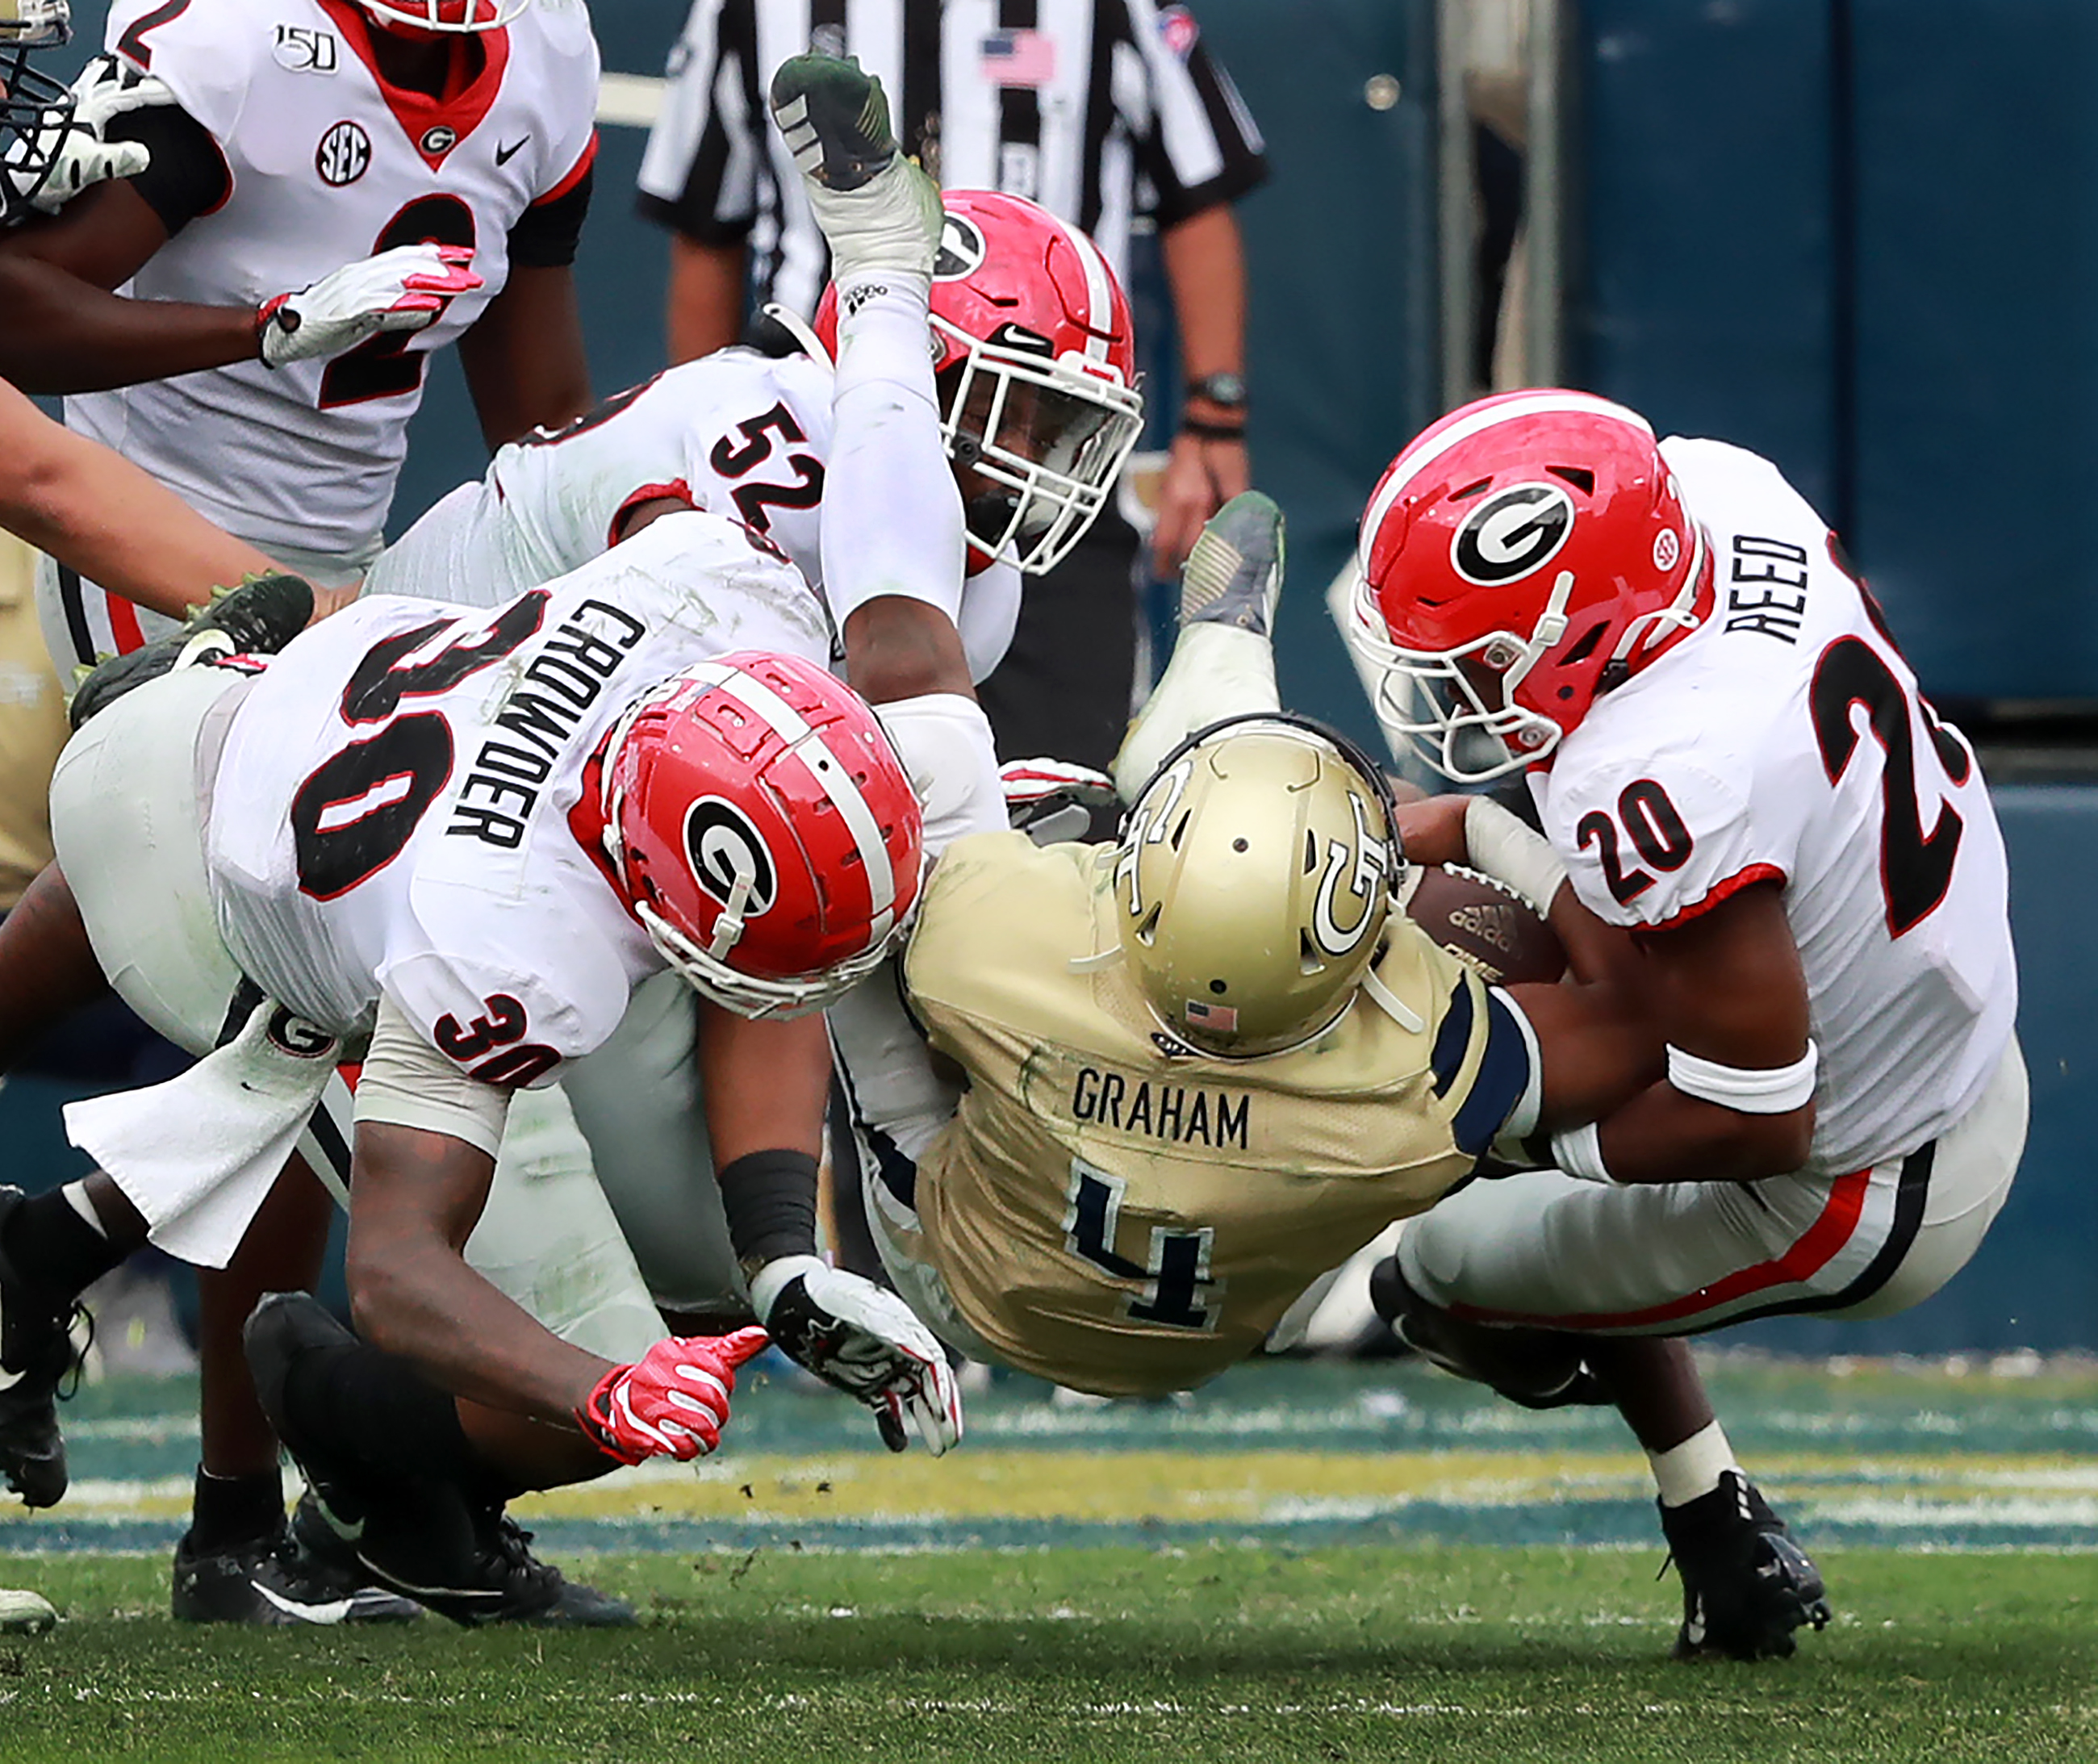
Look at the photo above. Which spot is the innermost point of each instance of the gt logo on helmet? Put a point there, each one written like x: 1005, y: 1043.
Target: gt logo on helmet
x: 728, y: 852
x: 1512, y: 532
x: 1368, y: 865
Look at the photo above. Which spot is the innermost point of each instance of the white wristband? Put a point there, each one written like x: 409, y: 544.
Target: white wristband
x: 1771, y: 1090
x: 1499, y: 845
x: 1578, y: 1152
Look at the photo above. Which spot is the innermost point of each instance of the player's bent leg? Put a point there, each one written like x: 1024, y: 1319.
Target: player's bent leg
x: 1545, y: 1251
x: 1223, y: 661
x: 397, y: 1490
x: 1972, y: 1166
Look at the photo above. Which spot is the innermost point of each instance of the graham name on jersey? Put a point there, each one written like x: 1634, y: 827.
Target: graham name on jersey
x: 571, y: 670
x: 1182, y: 1114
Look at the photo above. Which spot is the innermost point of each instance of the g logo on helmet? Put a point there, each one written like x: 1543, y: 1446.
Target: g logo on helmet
x: 1512, y: 532
x: 962, y: 249
x: 727, y: 852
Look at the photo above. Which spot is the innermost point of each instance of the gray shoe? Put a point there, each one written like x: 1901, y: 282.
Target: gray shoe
x: 877, y: 211
x: 1234, y: 573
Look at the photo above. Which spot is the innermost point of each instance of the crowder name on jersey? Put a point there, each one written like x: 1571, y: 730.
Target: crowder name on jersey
x: 570, y: 672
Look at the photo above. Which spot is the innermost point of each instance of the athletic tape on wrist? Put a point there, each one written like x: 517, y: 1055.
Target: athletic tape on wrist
x: 1770, y: 1091
x: 1500, y: 846
x: 1578, y: 1152
x: 770, y: 1198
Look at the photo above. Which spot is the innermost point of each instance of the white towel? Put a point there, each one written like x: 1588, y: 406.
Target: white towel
x: 197, y: 1156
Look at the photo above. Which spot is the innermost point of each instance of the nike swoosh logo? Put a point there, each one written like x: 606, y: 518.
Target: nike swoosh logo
x: 505, y: 155
x: 328, y: 1611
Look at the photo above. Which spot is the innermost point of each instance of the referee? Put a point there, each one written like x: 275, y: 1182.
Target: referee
x: 1103, y: 111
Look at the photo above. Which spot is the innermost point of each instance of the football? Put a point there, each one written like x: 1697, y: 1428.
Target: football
x: 1486, y: 925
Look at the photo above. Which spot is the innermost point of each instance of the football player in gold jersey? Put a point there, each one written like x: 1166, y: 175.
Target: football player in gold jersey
x: 1126, y: 1102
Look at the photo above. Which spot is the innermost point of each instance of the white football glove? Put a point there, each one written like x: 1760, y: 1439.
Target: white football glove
x: 73, y: 143
x: 672, y: 1403
x: 403, y: 289
x: 1049, y: 800
x: 866, y: 1342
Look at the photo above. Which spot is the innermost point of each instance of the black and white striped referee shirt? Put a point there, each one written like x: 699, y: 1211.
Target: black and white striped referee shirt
x: 1100, y: 110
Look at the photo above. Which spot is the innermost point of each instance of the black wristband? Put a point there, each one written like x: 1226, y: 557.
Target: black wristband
x: 771, y: 1200
x: 1194, y: 425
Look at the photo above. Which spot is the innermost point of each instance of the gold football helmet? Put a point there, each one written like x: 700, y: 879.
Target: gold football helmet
x: 1254, y: 879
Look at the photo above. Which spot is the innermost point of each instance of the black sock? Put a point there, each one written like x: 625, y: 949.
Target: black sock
x: 56, y: 1252
x: 382, y: 1415
x: 227, y: 1511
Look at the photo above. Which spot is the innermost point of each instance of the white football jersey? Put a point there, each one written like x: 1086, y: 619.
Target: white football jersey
x: 737, y: 433
x: 328, y: 164
x: 391, y: 807
x: 1785, y: 740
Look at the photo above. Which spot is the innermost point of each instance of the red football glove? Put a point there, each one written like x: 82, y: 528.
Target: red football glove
x: 671, y: 1402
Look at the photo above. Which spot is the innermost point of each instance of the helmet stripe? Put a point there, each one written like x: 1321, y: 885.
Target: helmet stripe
x: 796, y: 731
x: 1099, y: 293
x: 1426, y: 449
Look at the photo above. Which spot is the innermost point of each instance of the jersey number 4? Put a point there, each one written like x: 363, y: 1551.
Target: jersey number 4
x: 1178, y: 1270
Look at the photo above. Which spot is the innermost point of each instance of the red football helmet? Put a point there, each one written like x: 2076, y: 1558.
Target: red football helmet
x: 1036, y: 374
x: 762, y: 830
x: 455, y: 16
x: 1520, y: 556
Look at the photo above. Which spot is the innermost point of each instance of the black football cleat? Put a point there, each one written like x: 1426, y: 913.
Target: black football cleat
x: 257, y: 618
x: 424, y: 1539
x: 38, y: 1354
x: 834, y: 117
x: 272, y: 1583
x: 1536, y: 1368
x: 1746, y: 1585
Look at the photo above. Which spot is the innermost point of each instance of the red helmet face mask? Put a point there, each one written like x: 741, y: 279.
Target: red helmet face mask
x: 1520, y: 557
x: 762, y: 830
x: 451, y: 17
x: 1036, y: 366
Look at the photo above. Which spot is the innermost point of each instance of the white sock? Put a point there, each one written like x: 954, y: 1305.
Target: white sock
x: 1216, y: 671
x: 77, y: 1198
x: 1683, y: 1473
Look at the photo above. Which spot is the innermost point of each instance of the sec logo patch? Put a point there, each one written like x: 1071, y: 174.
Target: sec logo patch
x: 344, y: 154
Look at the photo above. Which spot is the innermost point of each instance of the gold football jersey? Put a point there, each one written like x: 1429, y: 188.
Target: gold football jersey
x: 1112, y: 1210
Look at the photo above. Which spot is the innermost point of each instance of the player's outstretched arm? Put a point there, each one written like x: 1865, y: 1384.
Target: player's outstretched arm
x: 765, y: 1085
x: 66, y: 332
x: 98, y: 514
x: 415, y: 1197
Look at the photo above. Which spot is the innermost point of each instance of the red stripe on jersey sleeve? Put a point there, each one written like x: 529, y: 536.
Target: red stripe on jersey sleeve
x: 1814, y: 1250
x: 1718, y: 893
x: 575, y: 174
x: 123, y: 624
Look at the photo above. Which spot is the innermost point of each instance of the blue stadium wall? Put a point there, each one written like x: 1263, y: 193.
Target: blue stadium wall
x: 1856, y: 235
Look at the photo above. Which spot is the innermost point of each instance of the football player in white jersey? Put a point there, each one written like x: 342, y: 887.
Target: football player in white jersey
x: 832, y: 1323
x: 414, y: 168
x: 468, y: 835
x: 1731, y: 759
x: 420, y: 137
x: 1033, y: 383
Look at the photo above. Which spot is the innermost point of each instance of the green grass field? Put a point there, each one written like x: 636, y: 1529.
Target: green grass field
x: 1306, y: 1562
x: 1454, y: 1654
